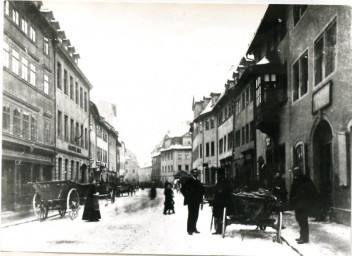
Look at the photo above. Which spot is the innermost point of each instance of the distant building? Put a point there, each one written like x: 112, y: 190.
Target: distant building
x: 156, y: 164
x: 145, y: 174
x: 131, y: 167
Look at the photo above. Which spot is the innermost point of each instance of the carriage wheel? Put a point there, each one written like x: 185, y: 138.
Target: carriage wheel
x: 279, y: 227
x: 112, y: 196
x: 40, y: 210
x: 72, y: 203
x: 224, y: 223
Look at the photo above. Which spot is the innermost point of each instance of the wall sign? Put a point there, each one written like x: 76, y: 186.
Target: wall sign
x: 321, y: 98
x: 73, y: 148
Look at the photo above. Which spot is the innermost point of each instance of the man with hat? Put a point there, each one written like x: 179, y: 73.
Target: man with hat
x: 303, y: 197
x: 193, y: 192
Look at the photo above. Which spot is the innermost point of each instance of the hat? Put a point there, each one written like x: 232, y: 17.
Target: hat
x: 194, y: 171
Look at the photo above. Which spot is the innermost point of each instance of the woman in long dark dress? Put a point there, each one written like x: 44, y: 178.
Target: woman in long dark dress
x: 91, y: 207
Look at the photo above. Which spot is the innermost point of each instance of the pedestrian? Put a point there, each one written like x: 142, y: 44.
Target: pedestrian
x: 152, y: 192
x: 303, y: 196
x: 279, y: 188
x: 192, y: 191
x: 169, y: 202
x: 91, y: 207
x: 222, y: 199
x: 265, y: 176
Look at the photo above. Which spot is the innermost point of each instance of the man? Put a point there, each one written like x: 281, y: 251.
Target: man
x: 222, y: 199
x: 302, y: 198
x: 193, y: 192
x: 265, y: 176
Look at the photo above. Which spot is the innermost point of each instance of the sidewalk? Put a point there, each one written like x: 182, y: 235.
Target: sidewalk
x: 20, y: 215
x: 325, y: 238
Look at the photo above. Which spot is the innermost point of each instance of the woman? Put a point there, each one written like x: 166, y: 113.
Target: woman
x: 91, y: 206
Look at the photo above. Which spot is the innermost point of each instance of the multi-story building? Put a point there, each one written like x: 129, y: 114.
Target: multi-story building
x: 145, y: 174
x: 122, y: 154
x: 28, y: 99
x: 175, y: 155
x: 206, y: 139
x: 131, y: 167
x: 72, y: 112
x: 156, y: 164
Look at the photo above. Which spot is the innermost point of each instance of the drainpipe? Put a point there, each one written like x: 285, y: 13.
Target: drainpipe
x: 53, y: 176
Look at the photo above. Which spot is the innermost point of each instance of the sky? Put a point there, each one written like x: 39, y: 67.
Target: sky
x: 151, y: 59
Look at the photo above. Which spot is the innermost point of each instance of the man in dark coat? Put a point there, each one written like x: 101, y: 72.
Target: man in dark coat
x: 265, y: 175
x: 193, y: 192
x: 222, y: 199
x: 303, y: 197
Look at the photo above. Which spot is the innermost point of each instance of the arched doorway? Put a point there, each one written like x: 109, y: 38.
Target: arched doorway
x: 322, y: 157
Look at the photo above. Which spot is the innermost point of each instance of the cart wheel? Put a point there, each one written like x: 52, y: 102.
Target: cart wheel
x: 224, y: 223
x: 62, y: 212
x: 72, y: 203
x: 40, y: 210
x: 262, y: 227
x: 279, y: 227
x: 112, y: 196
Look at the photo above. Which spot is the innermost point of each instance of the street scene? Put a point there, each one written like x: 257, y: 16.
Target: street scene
x: 181, y: 129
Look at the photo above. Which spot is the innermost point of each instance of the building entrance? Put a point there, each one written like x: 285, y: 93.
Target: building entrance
x: 322, y: 157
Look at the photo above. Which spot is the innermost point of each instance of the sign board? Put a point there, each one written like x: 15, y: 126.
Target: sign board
x: 73, y: 148
x: 321, y: 98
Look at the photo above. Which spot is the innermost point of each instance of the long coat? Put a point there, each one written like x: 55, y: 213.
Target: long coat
x: 303, y: 195
x: 91, y: 207
x: 192, y: 191
x: 222, y: 198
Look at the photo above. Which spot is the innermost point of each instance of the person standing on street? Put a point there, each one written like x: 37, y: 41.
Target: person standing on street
x: 169, y: 202
x: 192, y: 191
x: 302, y: 200
x: 91, y: 207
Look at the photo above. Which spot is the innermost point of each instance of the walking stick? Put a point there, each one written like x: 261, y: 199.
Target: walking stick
x: 211, y: 222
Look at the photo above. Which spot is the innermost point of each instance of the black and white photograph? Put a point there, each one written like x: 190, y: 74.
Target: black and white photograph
x: 176, y: 128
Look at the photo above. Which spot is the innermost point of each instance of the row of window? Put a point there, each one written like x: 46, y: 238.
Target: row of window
x: 23, y: 124
x: 102, y: 155
x: 225, y: 113
x: 67, y: 170
x: 167, y: 169
x: 14, y: 16
x: 180, y: 167
x: 71, y: 131
x: 244, y: 99
x: 22, y: 66
x: 71, y: 87
x: 101, y: 133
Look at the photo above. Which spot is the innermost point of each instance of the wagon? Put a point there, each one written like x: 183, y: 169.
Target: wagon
x: 104, y: 189
x: 253, y: 208
x: 55, y: 195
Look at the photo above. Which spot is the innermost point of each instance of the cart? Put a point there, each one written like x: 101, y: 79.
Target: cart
x: 258, y: 208
x: 55, y: 195
x: 104, y: 189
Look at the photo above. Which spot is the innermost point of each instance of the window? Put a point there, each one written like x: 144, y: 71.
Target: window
x: 81, y: 97
x: 16, y: 122
x: 105, y: 156
x: 238, y: 138
x: 71, y: 88
x: 220, y: 146
x: 24, y: 26
x: 230, y: 140
x: 24, y: 74
x: 6, y: 118
x: 77, y: 134
x: 15, y: 17
x: 300, y: 77
x: 59, y: 167
x: 200, y: 150
x: 46, y: 46
x: 207, y: 124
x: 58, y: 74
x: 298, y: 11
x: 252, y: 132
x: 81, y: 134
x: 99, y: 132
x: 85, y: 102
x: 46, y: 132
x: 34, y: 128
x: 179, y: 167
x: 247, y: 95
x: 207, y: 149
x: 243, y: 100
x: 99, y: 154
x: 46, y: 84
x: 212, y: 121
x: 59, y: 123
x: 225, y: 143
x: 32, y: 33
x: 212, y: 148
x: 6, y: 7
x: 6, y: 54
x: 25, y: 126
x: 15, y: 61
x: 186, y: 167
x: 66, y: 127
x: 179, y: 156
x: 247, y: 133
x: 325, y: 53
x: 33, y: 75
x: 258, y: 91
x: 186, y: 155
x: 243, y: 136
x: 86, y: 138
x: 76, y: 93
x: 72, y: 133
x: 65, y: 82
x: 105, y: 136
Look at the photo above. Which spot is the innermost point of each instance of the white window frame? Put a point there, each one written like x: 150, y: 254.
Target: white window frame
x: 46, y: 83
x: 32, y: 33
x: 24, y: 26
x: 33, y: 75
x: 24, y: 71
x: 46, y: 46
x: 6, y: 48
x: 15, y: 16
x: 15, y: 61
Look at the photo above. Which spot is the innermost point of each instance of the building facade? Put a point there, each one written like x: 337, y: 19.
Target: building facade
x: 145, y: 174
x: 131, y: 167
x: 28, y: 147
